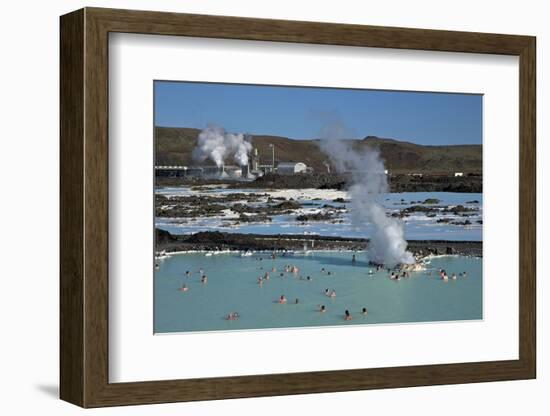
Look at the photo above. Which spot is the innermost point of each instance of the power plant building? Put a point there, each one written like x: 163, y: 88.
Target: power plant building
x: 291, y: 168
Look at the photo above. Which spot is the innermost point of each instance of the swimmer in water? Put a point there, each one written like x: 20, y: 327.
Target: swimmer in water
x: 282, y: 299
x: 347, y: 316
x: 308, y: 278
x: 204, y: 279
x: 273, y: 269
x: 333, y: 293
x: 188, y: 273
x: 322, y: 308
x: 327, y: 292
x: 453, y: 276
x: 328, y: 273
x: 353, y: 259
x: 232, y: 316
x: 266, y: 276
x: 364, y: 311
x: 184, y: 288
x: 296, y: 301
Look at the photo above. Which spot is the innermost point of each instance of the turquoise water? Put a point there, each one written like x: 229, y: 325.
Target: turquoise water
x: 232, y: 287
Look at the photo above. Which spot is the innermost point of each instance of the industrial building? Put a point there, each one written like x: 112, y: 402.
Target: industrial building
x: 247, y: 172
x: 228, y: 171
x: 291, y: 168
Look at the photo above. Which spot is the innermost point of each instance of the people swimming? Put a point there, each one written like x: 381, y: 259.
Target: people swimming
x: 332, y: 293
x: 353, y: 259
x: 187, y: 273
x: 347, y: 315
x: 364, y: 312
x: 327, y: 292
x: 296, y: 301
x: 184, y: 288
x: 395, y: 276
x: 204, y: 279
x: 322, y: 309
x: 282, y: 299
x: 232, y: 316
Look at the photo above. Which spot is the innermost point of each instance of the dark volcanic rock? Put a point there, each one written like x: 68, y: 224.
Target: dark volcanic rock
x: 288, y: 205
x: 215, y: 240
x: 397, y: 183
x: 299, y: 181
x: 254, y: 218
x: 319, y: 216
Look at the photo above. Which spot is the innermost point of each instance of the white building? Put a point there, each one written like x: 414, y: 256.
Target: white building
x: 457, y: 174
x: 291, y: 168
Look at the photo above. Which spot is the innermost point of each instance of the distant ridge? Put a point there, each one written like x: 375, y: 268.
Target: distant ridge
x: 173, y: 146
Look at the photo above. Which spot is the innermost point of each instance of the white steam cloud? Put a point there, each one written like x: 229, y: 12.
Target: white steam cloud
x: 369, y: 181
x: 216, y: 144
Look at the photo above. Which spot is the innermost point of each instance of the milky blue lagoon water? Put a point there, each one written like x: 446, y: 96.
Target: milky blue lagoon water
x: 417, y: 226
x: 232, y: 287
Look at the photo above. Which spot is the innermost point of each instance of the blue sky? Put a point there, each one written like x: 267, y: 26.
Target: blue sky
x: 303, y: 113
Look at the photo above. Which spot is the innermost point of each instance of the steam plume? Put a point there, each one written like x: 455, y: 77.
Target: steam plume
x: 216, y: 144
x: 387, y: 244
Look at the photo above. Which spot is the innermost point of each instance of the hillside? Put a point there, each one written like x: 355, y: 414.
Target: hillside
x: 173, y: 146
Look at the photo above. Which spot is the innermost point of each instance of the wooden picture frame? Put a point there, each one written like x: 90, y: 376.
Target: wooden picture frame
x: 84, y: 207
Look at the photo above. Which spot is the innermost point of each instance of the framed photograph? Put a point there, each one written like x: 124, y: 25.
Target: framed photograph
x: 256, y: 207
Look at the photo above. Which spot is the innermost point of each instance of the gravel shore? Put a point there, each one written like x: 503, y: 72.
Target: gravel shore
x: 214, y: 240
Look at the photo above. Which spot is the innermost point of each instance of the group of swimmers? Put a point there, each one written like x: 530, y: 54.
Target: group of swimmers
x: 444, y: 275
x: 398, y: 275
x: 290, y: 268
x: 188, y: 274
x: 347, y: 314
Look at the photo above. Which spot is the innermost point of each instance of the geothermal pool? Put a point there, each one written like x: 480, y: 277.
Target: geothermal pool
x: 418, y: 226
x: 232, y: 287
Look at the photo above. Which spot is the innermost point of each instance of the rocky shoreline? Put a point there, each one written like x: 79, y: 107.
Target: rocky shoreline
x: 397, y: 183
x: 216, y: 241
